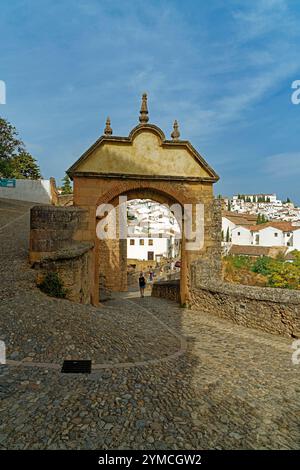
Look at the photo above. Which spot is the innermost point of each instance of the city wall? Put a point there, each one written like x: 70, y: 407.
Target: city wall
x: 276, y: 311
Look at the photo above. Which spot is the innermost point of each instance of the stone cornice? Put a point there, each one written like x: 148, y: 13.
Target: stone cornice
x: 90, y: 174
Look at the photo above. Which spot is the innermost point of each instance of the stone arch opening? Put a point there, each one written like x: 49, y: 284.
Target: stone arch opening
x: 113, y: 252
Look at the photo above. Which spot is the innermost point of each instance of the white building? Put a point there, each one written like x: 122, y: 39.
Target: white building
x: 268, y: 198
x: 153, y: 232
x: 151, y: 249
x: 230, y: 220
x: 149, y: 218
x: 264, y: 204
x: 241, y: 236
x: 271, y: 234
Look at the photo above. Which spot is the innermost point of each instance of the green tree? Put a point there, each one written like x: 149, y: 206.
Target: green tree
x: 261, y: 219
x: 263, y: 265
x: 285, y: 275
x: 67, y: 186
x: 229, y: 205
x: 25, y: 166
x: 227, y: 235
x: 15, y: 161
x: 10, y: 145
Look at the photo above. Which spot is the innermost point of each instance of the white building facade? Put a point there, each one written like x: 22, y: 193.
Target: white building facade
x: 272, y: 234
x: 149, y: 249
x: 153, y: 232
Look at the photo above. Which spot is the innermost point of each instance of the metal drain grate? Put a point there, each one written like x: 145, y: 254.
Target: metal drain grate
x: 77, y: 367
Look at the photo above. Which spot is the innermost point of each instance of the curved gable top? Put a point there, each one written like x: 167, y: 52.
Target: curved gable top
x: 145, y: 153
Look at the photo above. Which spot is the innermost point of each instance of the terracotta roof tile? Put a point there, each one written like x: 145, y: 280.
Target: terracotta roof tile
x: 284, y: 226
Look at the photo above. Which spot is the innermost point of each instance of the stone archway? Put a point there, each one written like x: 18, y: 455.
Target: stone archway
x: 112, y: 254
x: 147, y: 164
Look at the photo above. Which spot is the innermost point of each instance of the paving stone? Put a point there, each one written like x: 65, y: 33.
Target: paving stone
x: 232, y: 388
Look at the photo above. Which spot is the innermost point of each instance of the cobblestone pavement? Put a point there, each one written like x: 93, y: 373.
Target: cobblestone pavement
x: 204, y: 382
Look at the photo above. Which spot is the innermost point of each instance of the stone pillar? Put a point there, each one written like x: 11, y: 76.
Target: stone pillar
x: 112, y: 262
x: 197, y: 266
x: 208, y: 266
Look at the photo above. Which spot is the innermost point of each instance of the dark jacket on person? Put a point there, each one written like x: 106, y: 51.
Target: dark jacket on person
x: 142, y: 281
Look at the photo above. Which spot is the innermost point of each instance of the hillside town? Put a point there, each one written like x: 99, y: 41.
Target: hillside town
x: 153, y: 232
x: 252, y: 225
x: 260, y: 224
x: 266, y: 205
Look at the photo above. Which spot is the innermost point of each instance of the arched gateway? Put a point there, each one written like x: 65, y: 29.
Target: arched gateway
x: 147, y: 165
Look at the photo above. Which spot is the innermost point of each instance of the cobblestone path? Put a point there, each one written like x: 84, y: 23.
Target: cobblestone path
x: 203, y: 382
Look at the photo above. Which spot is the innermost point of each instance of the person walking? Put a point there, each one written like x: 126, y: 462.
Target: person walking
x: 142, y: 284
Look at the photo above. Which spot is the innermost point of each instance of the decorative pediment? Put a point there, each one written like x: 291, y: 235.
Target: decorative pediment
x: 145, y: 153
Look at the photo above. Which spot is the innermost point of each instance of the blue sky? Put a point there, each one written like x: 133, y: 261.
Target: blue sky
x: 223, y: 69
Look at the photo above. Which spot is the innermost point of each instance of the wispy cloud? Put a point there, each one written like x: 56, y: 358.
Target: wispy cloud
x: 283, y: 165
x: 215, y: 66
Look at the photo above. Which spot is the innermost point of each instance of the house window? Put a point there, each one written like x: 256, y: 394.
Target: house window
x: 132, y: 241
x: 142, y: 242
x: 150, y: 255
x: 150, y: 242
x: 239, y: 233
x: 276, y: 234
x: 288, y: 234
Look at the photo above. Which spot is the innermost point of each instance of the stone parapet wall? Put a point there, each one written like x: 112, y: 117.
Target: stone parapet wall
x: 72, y: 267
x: 55, y: 246
x: 275, y: 311
x: 167, y: 290
x: 54, y: 228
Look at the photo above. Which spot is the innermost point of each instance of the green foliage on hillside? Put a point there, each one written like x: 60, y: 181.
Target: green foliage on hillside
x: 276, y: 272
x: 261, y: 219
x: 53, y: 286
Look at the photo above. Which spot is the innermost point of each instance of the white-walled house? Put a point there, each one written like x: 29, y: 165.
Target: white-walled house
x: 241, y: 236
x: 271, y: 234
x: 150, y: 249
x: 231, y: 220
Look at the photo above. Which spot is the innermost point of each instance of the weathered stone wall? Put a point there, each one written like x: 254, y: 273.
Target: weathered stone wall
x: 113, y: 261
x: 276, y: 311
x: 209, y: 266
x: 113, y: 265
x: 54, y: 228
x: 167, y: 290
x: 72, y: 266
x: 55, y: 246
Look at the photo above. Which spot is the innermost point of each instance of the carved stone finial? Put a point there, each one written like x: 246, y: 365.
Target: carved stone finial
x: 144, y: 118
x: 175, y: 134
x: 108, y: 129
